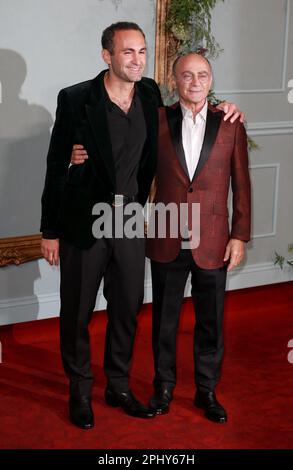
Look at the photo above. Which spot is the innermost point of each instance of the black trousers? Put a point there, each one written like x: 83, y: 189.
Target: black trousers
x: 121, y: 262
x: 208, y: 291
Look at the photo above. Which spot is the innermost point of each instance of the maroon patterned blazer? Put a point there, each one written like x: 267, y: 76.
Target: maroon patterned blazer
x: 223, y: 159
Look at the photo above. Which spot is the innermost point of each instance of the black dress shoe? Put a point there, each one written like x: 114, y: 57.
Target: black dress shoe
x: 80, y: 412
x: 160, y: 401
x: 214, y: 411
x: 128, y: 402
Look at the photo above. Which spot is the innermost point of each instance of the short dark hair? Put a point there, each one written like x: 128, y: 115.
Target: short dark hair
x: 184, y: 55
x: 108, y: 33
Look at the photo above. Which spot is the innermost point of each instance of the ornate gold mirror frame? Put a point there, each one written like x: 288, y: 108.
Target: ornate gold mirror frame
x: 165, y: 46
x: 17, y: 250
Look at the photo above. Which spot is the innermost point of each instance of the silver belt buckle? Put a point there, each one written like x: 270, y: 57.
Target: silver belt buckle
x: 118, y: 200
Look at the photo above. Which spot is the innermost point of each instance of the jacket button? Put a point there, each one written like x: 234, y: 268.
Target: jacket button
x: 190, y: 190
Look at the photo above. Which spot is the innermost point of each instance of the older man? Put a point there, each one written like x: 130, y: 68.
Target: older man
x: 199, y: 154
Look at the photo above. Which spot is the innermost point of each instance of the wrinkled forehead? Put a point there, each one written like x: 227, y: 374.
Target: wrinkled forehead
x: 192, y: 63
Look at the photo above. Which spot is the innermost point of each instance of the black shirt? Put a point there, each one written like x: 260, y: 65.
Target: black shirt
x: 128, y: 135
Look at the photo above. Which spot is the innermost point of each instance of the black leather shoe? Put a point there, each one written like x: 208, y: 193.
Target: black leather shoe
x: 214, y: 411
x: 80, y: 412
x: 160, y: 401
x: 128, y: 402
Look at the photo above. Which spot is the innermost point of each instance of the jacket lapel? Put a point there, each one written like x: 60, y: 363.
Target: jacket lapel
x: 97, y: 117
x: 212, y: 127
x: 174, y: 118
x: 96, y: 114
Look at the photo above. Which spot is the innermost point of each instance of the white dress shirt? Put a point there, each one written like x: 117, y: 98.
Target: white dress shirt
x: 192, y: 136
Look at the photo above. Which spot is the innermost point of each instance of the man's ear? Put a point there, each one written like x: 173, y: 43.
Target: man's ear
x: 106, y: 56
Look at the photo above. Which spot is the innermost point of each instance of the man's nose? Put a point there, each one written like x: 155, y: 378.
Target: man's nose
x: 136, y: 58
x: 195, y: 80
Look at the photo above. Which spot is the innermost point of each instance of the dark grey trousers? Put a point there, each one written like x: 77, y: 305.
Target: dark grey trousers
x: 208, y: 291
x: 121, y: 262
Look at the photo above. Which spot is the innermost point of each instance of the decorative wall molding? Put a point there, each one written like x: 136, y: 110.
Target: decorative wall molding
x: 41, y: 306
x: 276, y: 166
x: 18, y: 250
x: 270, y: 128
x: 282, y: 88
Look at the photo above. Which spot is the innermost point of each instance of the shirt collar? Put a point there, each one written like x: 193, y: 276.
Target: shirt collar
x: 188, y: 113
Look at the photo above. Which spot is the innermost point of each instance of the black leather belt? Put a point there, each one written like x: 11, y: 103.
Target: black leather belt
x: 122, y: 199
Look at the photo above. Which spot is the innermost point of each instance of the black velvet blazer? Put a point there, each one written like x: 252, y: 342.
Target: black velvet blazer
x: 70, y: 194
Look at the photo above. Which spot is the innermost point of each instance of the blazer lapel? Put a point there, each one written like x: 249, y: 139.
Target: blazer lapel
x: 212, y: 127
x: 174, y: 118
x: 96, y: 114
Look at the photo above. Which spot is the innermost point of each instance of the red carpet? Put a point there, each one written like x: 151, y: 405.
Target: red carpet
x: 256, y: 388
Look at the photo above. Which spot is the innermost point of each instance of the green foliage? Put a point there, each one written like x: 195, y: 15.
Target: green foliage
x: 252, y: 145
x: 189, y: 21
x: 281, y: 260
x: 213, y: 99
x: 169, y: 97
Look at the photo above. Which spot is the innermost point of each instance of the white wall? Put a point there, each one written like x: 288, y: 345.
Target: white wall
x: 59, y: 42
x: 45, y: 45
x: 254, y: 70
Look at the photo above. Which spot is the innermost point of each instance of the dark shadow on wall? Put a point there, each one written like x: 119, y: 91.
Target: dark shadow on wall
x: 24, y: 139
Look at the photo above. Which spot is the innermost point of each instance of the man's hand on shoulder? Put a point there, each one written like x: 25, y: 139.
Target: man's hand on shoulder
x: 50, y: 250
x: 231, y: 111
